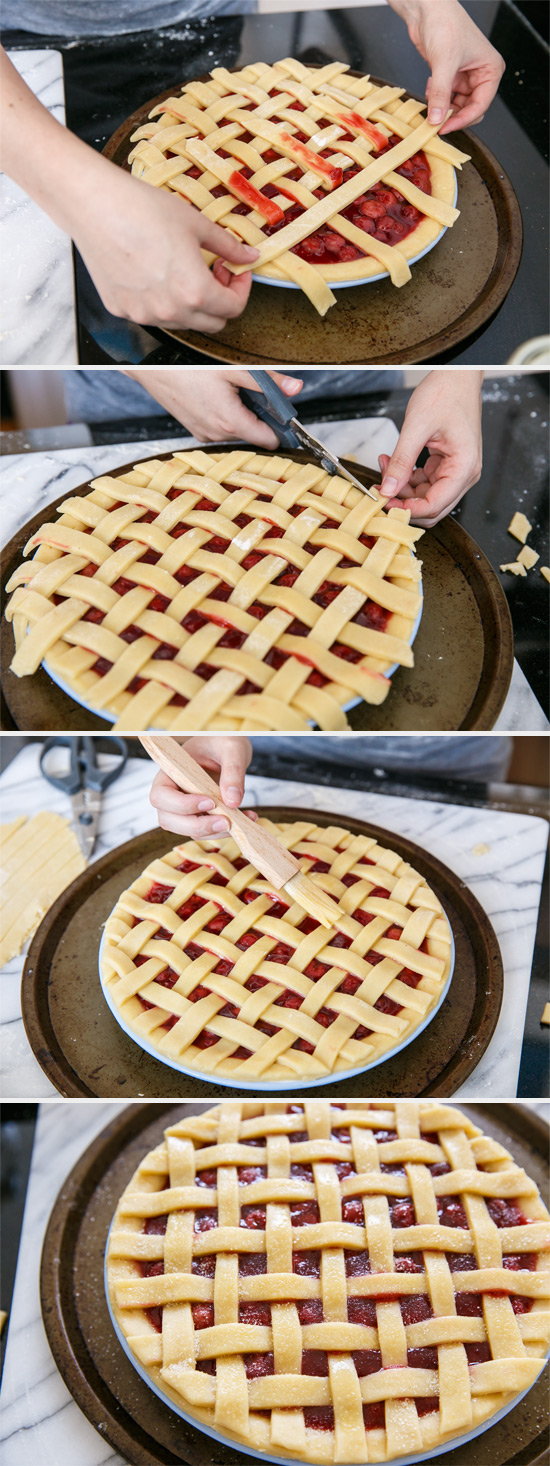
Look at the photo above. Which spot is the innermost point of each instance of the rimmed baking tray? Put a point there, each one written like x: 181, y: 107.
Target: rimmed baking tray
x: 84, y: 1051
x: 100, y: 1377
x: 450, y: 296
x: 464, y: 649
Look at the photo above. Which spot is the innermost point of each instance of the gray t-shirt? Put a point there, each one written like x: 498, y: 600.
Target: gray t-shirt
x: 476, y: 756
x: 103, y: 396
x: 103, y: 18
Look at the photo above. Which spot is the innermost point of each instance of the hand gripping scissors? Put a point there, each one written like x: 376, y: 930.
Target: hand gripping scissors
x: 280, y: 412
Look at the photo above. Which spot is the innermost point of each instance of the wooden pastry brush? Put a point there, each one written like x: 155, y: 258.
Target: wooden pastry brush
x: 278, y: 865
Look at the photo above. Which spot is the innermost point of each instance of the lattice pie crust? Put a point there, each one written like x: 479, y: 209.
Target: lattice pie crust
x: 335, y: 1283
x: 220, y: 590
x: 280, y: 154
x: 221, y: 975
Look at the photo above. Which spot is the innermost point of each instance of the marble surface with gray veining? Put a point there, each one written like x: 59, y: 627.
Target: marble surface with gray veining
x: 37, y: 307
x: 505, y: 876
x: 29, y: 482
x: 40, y: 1419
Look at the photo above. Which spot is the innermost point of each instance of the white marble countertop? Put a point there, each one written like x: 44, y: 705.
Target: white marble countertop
x: 506, y: 880
x: 37, y: 306
x: 40, y: 1419
x: 31, y: 481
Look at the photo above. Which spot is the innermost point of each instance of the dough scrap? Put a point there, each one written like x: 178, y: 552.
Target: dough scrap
x: 519, y: 526
x: 528, y: 557
x: 545, y: 570
x: 546, y: 1014
x: 39, y: 857
x: 515, y: 568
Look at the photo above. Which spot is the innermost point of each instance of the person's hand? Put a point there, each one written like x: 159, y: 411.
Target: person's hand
x: 465, y: 68
x: 213, y: 410
x: 227, y: 759
x: 142, y: 247
x: 444, y: 416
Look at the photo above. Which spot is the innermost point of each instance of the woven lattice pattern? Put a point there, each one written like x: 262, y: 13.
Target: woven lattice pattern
x: 204, y: 961
x: 330, y: 176
x: 225, y: 591
x: 337, y: 1282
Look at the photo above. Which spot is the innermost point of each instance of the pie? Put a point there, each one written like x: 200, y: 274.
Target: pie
x: 391, y: 1297
x: 331, y: 176
x: 220, y: 590
x: 220, y: 973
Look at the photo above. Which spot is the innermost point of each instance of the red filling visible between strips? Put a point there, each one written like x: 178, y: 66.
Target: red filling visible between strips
x: 280, y: 954
x: 415, y: 1308
x: 371, y: 615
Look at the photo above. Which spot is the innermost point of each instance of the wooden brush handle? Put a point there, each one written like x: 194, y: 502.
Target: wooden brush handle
x: 256, y: 844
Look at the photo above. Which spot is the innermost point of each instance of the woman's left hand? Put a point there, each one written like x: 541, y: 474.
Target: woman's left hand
x: 444, y: 416
x: 466, y: 70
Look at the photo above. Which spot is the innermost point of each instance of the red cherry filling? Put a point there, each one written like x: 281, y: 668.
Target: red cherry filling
x: 505, y: 1213
x: 356, y: 1264
x: 252, y: 1264
x: 363, y: 1311
x: 203, y: 1315
x: 304, y: 1213
x: 258, y: 1365
x: 256, y: 1313
x: 381, y: 211
x: 306, y: 1264
x: 206, y: 1219
x: 315, y: 1362
x: 310, y: 1310
x: 450, y: 1212
x: 158, y: 894
x: 319, y: 1417
x: 248, y: 1174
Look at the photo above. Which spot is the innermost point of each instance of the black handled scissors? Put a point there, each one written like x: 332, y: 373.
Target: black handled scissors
x: 277, y: 410
x: 84, y: 780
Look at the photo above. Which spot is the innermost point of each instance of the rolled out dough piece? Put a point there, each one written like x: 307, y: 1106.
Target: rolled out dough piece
x: 519, y: 526
x: 516, y: 568
x: 528, y: 557
x: 39, y: 857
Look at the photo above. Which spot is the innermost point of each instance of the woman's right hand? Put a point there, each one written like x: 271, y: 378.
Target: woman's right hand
x: 227, y: 759
x: 142, y: 247
x: 218, y: 412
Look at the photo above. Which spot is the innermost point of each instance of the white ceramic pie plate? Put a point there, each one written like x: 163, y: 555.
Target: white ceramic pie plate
x: 414, y: 1460
x: 273, y: 1086
x: 110, y: 717
x: 368, y: 279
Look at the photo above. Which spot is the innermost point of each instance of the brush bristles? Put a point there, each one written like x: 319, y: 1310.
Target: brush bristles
x: 314, y: 900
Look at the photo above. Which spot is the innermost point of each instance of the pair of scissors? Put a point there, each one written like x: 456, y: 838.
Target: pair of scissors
x: 84, y: 780
x: 280, y: 413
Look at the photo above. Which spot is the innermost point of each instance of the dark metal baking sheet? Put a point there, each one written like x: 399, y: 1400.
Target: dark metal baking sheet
x: 95, y: 1368
x: 84, y: 1051
x: 464, y: 650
